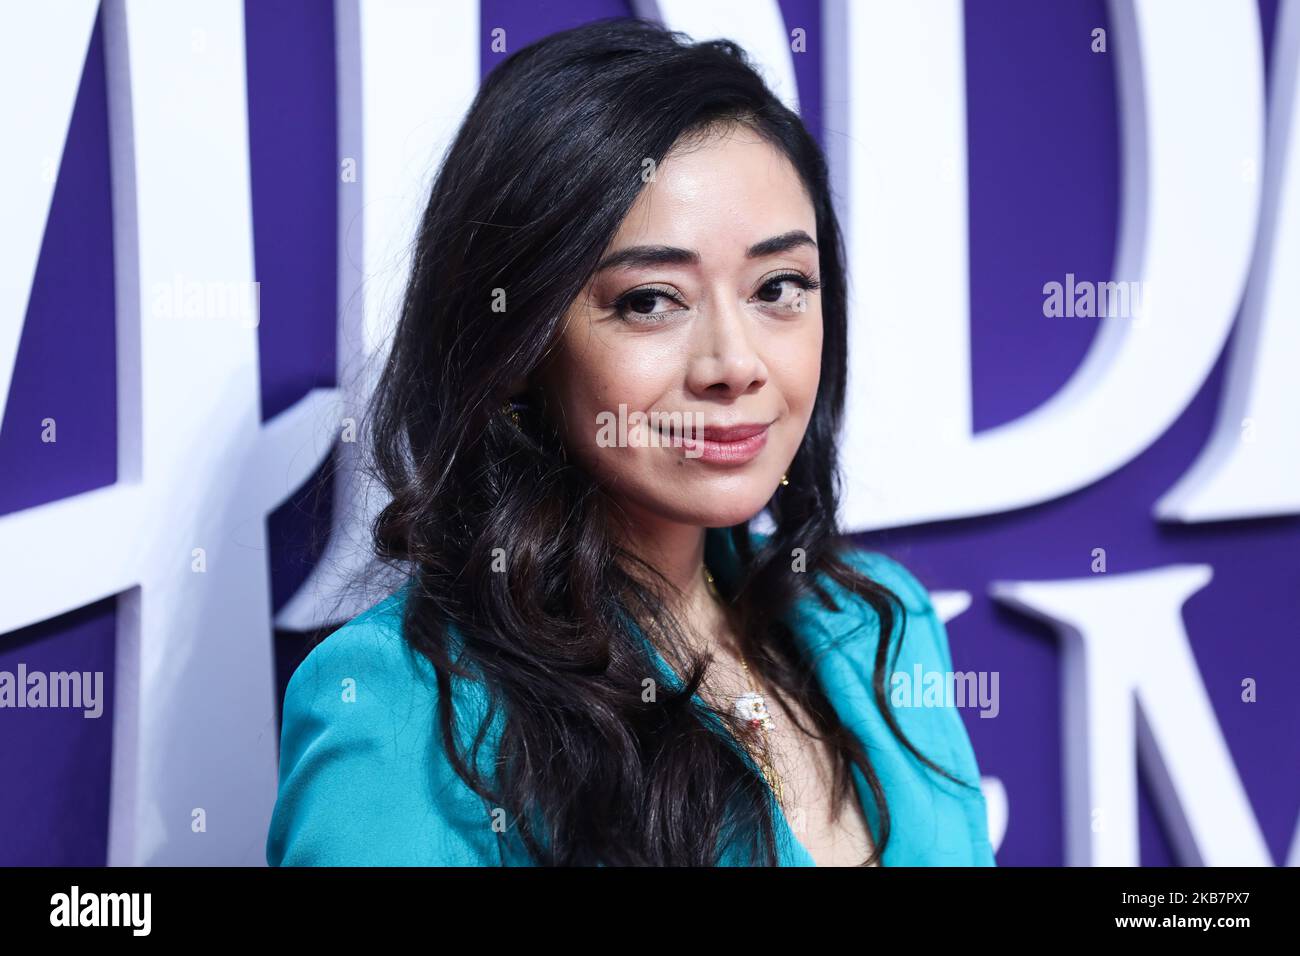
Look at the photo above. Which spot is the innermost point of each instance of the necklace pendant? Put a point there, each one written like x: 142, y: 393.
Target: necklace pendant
x: 752, y: 707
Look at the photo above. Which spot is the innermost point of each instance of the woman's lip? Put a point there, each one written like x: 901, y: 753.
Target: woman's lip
x: 737, y: 451
x: 733, y: 433
x: 723, y: 434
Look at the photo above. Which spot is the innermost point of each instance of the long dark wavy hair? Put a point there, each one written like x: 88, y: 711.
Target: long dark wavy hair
x: 528, y: 197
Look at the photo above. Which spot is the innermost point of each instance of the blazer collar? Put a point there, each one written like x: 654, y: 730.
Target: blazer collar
x: 819, y: 627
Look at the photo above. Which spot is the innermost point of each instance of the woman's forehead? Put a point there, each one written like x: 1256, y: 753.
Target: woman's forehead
x: 725, y: 193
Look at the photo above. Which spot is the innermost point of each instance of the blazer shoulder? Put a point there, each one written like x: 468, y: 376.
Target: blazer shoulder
x: 851, y: 614
x: 892, y: 573
x: 372, y: 645
x: 930, y: 646
x: 878, y: 566
x: 936, y: 725
x: 363, y: 779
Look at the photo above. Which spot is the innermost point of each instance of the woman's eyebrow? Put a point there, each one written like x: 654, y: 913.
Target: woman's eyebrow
x: 782, y: 243
x: 647, y: 256
x: 643, y: 256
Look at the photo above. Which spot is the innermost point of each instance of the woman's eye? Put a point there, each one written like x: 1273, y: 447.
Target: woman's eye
x: 788, y: 291
x: 646, y: 303
x: 643, y: 302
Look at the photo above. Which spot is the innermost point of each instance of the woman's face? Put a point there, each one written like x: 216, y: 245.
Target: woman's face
x: 705, y: 308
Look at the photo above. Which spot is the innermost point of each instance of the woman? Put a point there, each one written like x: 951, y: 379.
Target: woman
x: 623, y: 338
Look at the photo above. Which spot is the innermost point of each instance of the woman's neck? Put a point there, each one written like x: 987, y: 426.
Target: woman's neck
x: 676, y: 551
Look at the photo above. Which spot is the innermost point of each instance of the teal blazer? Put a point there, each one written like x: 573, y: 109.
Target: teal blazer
x: 363, y: 780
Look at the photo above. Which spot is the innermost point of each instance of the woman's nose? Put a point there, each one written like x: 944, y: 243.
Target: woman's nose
x: 726, y: 360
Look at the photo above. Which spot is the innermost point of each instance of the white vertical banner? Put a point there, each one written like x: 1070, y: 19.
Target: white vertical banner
x: 407, y: 73
x: 181, y: 537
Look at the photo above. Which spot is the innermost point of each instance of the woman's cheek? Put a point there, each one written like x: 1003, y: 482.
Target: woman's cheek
x: 810, y: 367
x: 594, y: 425
x: 798, y: 366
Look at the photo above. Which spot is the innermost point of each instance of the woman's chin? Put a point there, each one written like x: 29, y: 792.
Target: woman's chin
x: 724, y: 512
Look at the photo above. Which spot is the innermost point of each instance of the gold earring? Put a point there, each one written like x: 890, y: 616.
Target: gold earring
x: 785, y: 480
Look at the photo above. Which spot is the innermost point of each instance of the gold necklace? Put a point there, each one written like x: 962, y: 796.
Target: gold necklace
x: 751, y: 707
